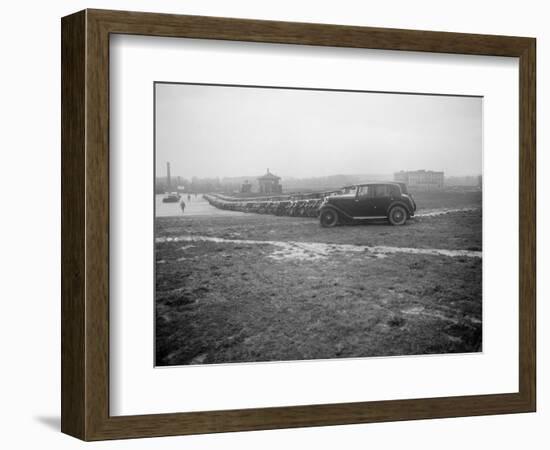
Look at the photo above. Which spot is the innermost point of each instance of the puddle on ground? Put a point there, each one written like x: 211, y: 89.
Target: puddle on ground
x: 420, y: 311
x: 439, y: 212
x: 311, y: 251
x: 199, y: 359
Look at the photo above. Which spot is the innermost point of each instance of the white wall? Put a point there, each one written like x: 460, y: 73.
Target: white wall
x: 30, y: 226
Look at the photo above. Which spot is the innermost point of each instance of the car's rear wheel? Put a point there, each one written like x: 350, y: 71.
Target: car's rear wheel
x: 398, y: 215
x: 328, y: 218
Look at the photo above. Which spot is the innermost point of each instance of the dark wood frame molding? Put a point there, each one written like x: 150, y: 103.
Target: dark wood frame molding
x: 85, y: 224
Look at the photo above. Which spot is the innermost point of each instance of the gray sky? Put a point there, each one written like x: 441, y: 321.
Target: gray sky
x: 211, y: 131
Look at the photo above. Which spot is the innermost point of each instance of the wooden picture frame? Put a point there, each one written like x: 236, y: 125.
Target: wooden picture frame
x: 85, y: 224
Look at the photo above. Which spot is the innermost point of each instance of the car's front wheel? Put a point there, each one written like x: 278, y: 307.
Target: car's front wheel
x: 328, y: 218
x: 398, y: 215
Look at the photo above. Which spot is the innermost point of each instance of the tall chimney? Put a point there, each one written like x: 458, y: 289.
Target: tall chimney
x: 168, y: 179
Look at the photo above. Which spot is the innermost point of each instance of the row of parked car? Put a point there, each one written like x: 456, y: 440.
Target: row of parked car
x: 295, y: 208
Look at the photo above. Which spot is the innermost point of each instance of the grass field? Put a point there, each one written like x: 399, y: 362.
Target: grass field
x: 248, y: 287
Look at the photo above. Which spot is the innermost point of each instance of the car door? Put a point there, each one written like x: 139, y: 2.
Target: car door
x: 362, y: 205
x: 380, y: 198
x: 345, y: 201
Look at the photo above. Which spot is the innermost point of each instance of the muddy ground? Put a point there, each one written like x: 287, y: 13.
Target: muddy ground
x: 241, y: 288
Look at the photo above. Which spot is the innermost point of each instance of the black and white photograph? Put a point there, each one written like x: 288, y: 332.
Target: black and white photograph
x: 298, y: 224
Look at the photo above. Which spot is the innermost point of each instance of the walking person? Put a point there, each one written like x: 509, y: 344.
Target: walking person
x: 182, y: 206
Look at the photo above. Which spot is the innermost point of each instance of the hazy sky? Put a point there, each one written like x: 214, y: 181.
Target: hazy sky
x: 218, y: 131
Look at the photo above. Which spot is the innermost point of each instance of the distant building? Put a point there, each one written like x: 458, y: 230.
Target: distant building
x: 269, y: 183
x: 246, y: 187
x: 421, y: 179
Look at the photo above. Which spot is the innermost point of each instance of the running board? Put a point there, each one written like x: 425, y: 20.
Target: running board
x: 370, y: 217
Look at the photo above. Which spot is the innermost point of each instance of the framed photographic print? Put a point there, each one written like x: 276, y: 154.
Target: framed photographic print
x: 272, y: 224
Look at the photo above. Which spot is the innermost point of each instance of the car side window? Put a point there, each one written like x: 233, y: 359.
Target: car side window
x: 379, y: 191
x: 363, y: 191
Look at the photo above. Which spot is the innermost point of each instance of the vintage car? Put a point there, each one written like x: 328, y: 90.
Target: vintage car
x: 171, y: 197
x: 368, y: 201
